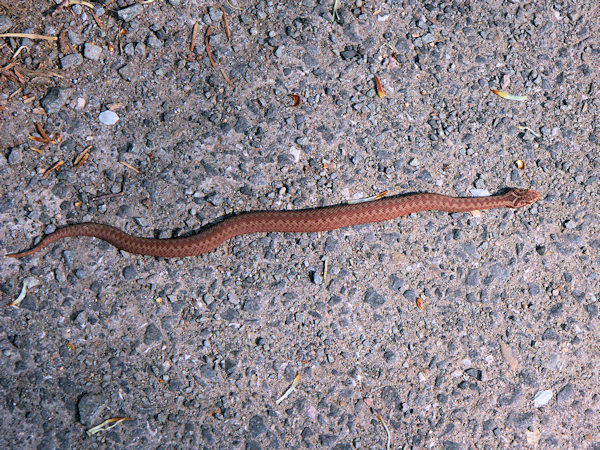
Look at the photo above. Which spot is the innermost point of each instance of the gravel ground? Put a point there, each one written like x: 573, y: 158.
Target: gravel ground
x: 196, y: 351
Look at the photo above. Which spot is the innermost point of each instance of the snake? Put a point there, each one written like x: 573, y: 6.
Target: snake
x: 293, y: 221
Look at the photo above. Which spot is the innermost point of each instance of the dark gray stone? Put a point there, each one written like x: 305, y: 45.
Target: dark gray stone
x: 15, y: 156
x: 511, y: 399
x: 252, y: 305
x: 90, y: 407
x: 306, y: 433
x: 331, y: 244
x: 256, y: 425
x: 130, y: 273
x: 565, y: 394
x: 207, y: 372
x: 130, y: 13
x: 55, y: 98
x: 500, y: 272
x: 70, y: 61
x: 389, y: 395
x: 152, y: 335
x: 5, y: 23
x: 129, y: 72
x: 207, y: 434
x: 410, y: 295
x: 327, y: 440
x: 475, y: 373
x: 592, y: 310
x: 533, y: 289
x: 550, y: 335
x: 242, y: 125
x: 522, y: 421
x: 396, y: 283
x: 374, y: 298
x: 154, y: 42
x: 6, y: 204
x: 473, y: 277
x: 92, y: 51
x: 348, y: 54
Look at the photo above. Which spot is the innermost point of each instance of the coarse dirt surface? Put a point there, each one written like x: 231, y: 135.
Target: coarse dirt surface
x: 195, y: 352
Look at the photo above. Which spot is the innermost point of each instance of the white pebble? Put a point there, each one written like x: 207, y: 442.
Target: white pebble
x: 295, y: 152
x: 480, y: 193
x: 542, y: 398
x: 108, y: 117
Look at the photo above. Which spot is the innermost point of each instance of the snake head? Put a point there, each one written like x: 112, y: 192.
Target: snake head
x: 517, y: 198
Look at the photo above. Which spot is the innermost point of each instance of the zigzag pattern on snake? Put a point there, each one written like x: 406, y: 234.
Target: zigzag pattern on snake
x: 300, y: 221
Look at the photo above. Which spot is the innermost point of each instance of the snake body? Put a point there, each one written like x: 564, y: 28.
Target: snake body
x: 300, y: 221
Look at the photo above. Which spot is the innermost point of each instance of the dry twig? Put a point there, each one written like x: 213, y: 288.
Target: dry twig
x: 206, y: 36
x: 29, y: 36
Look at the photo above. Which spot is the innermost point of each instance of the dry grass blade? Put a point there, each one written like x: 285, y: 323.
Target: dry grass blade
x: 19, y: 50
x: 28, y: 283
x: 97, y: 20
x: 526, y: 128
x: 40, y: 130
x: 507, y: 96
x: 40, y: 73
x: 129, y: 166
x: 82, y: 3
x: 368, y: 199
x: 238, y: 8
x: 379, y: 87
x: 41, y: 140
x: 82, y: 157
x: 369, y: 403
x: 226, y: 77
x: 60, y: 7
x: 387, y: 430
x: 52, y: 168
x: 336, y: 5
x: 107, y: 425
x: 29, y: 36
x: 206, y: 36
x: 15, y: 93
x: 19, y: 76
x: 226, y: 24
x: 106, y: 196
x: 290, y: 389
x: 194, y: 34
x: 8, y: 66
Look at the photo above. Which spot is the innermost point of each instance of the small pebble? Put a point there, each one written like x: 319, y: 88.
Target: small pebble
x: 90, y: 407
x: 128, y: 14
x: 5, y: 24
x: 71, y: 61
x: 152, y: 335
x: 55, y: 99
x: 480, y: 192
x: 130, y: 273
x: 542, y: 398
x: 108, y: 117
x: 91, y: 51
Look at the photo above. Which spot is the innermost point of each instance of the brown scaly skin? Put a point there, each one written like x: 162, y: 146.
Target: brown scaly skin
x: 301, y: 221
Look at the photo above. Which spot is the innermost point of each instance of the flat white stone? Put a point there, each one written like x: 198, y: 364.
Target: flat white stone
x: 480, y: 193
x: 542, y: 398
x: 108, y: 117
